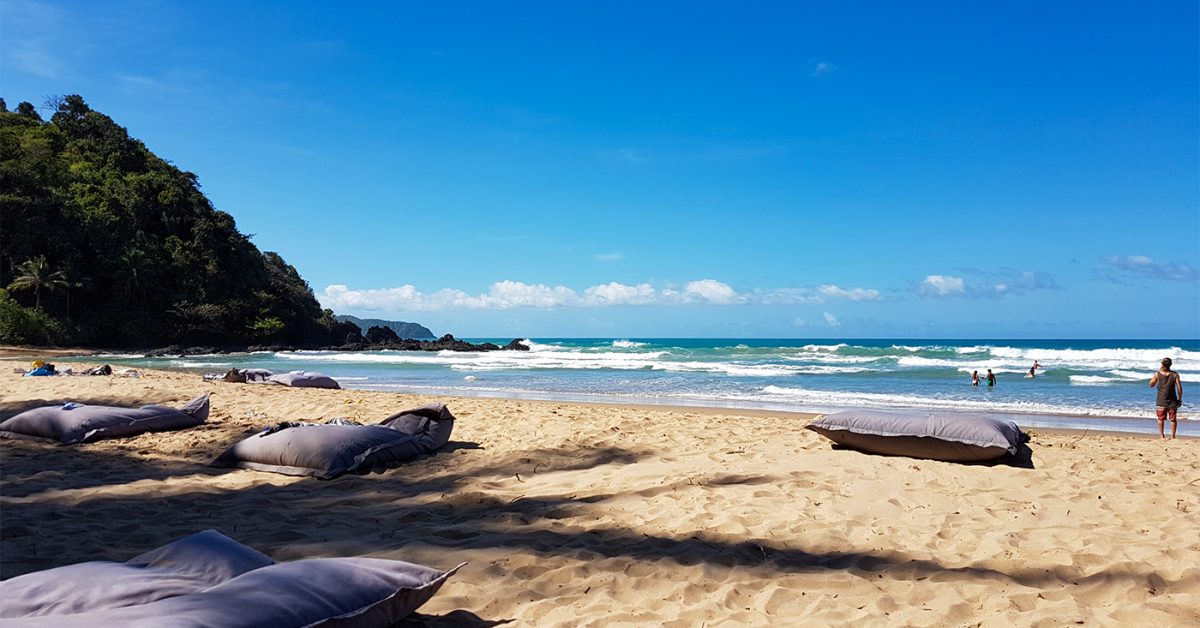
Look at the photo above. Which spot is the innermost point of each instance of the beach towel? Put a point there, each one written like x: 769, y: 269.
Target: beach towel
x: 243, y: 376
x: 42, y: 371
x: 329, y: 450
x: 949, y: 436
x: 208, y: 579
x: 72, y: 423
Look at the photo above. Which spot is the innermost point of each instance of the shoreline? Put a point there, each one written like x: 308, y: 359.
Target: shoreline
x: 1060, y: 422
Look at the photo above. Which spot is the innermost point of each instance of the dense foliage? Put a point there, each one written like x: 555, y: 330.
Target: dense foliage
x: 103, y: 243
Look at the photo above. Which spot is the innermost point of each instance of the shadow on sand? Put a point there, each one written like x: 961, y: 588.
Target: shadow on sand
x: 427, y: 508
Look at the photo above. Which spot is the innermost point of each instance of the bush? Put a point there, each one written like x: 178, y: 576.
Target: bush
x: 266, y: 327
x: 25, y: 326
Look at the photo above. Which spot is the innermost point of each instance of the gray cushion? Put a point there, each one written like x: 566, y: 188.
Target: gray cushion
x: 951, y: 436
x: 194, y: 562
x: 74, y: 423
x: 331, y: 592
x: 304, y: 379
x: 326, y: 451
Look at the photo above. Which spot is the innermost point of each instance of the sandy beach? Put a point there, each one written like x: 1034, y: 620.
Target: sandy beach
x: 594, y: 515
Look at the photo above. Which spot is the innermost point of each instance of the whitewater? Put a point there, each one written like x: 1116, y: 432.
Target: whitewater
x: 1089, y: 384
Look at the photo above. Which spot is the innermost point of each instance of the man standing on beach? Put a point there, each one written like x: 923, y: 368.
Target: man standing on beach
x: 1170, y: 396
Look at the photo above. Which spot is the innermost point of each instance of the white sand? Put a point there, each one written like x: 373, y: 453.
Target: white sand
x: 574, y: 514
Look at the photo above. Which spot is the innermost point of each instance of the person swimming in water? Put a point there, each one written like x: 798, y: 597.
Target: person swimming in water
x: 975, y: 378
x: 991, y: 378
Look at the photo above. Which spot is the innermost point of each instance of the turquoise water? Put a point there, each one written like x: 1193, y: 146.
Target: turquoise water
x: 1095, y: 384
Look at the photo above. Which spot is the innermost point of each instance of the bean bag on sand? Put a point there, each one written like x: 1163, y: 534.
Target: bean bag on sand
x: 327, y: 451
x: 949, y: 436
x: 304, y: 379
x: 295, y: 379
x: 208, y: 579
x: 73, y: 423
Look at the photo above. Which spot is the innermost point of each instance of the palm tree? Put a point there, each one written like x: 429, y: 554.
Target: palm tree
x: 131, y: 271
x: 36, y: 274
x: 73, y: 284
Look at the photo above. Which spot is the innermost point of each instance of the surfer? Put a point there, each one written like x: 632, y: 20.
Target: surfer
x: 1033, y: 368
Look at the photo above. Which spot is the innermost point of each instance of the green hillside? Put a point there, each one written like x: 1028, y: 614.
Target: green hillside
x: 103, y: 243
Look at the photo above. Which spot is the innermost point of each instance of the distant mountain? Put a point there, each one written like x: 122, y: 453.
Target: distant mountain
x: 402, y: 329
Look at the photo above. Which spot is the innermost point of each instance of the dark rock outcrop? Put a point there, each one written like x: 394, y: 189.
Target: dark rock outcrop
x: 517, y: 344
x: 381, y: 335
x: 388, y: 340
x: 403, y: 329
x: 178, y: 350
x: 445, y: 343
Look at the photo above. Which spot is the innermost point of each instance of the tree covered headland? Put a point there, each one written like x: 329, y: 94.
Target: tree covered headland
x: 103, y: 243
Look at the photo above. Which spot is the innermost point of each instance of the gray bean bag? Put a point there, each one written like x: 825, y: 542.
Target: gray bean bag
x: 207, y: 579
x: 76, y: 423
x: 295, y: 379
x: 327, y: 451
x: 304, y: 379
x: 950, y: 436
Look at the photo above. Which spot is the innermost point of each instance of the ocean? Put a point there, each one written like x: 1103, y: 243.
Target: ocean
x: 1084, y: 384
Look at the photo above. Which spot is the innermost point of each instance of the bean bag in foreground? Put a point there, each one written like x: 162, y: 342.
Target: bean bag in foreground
x: 208, y: 579
x: 76, y: 423
x: 327, y: 451
x: 949, y: 436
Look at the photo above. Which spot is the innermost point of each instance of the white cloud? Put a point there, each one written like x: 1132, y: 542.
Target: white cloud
x: 823, y: 68
x: 502, y: 296
x: 943, y: 286
x: 982, y: 284
x: 508, y: 294
x: 608, y: 257
x: 855, y: 294
x: 784, y: 296
x: 832, y: 320
x: 619, y: 294
x: 1121, y: 269
x: 712, y: 291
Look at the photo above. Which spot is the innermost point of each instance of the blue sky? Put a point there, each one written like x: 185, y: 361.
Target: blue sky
x: 763, y: 169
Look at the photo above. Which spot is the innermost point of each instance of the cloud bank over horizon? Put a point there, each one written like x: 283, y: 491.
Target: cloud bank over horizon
x: 985, y: 284
x: 509, y: 294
